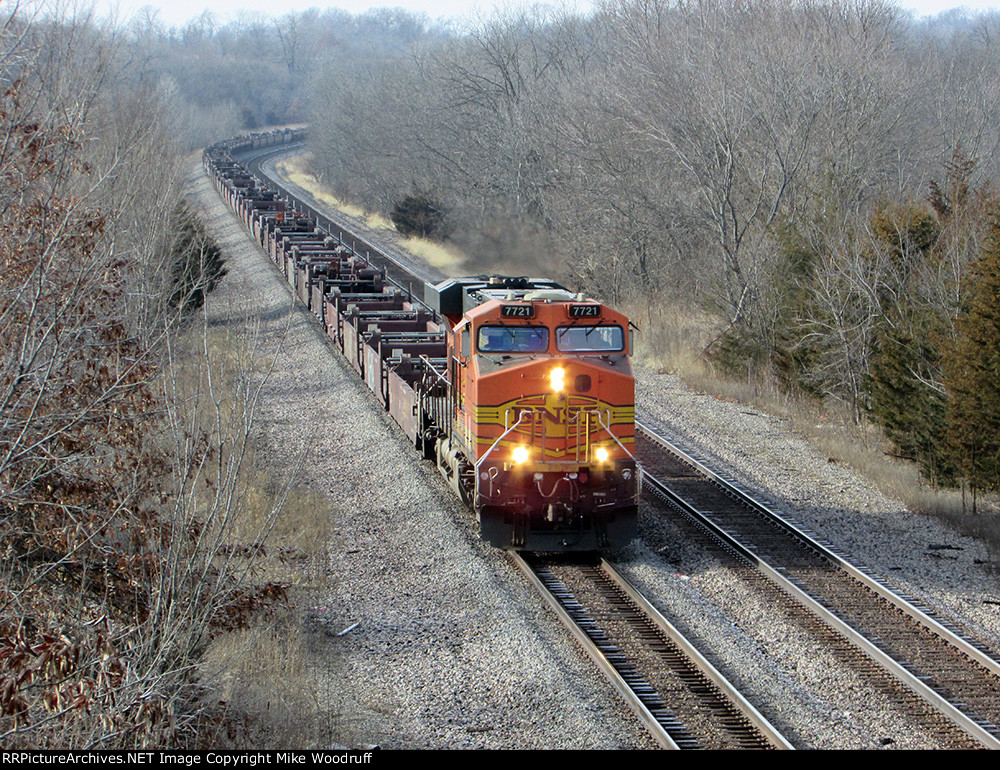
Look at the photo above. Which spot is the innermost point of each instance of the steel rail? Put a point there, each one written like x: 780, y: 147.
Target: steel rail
x: 873, y: 583
x: 337, y: 228
x: 732, y: 488
x: 757, y: 719
x: 659, y: 733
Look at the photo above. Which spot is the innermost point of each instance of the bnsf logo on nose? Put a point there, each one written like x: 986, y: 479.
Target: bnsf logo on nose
x: 553, y: 415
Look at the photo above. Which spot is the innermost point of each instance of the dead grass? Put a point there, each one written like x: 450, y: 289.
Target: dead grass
x: 280, y: 527
x: 447, y: 258
x: 864, y: 448
x: 265, y: 682
x: 294, y: 169
x: 671, y: 340
x: 295, y: 544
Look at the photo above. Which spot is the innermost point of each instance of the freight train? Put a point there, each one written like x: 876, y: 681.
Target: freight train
x: 520, y: 391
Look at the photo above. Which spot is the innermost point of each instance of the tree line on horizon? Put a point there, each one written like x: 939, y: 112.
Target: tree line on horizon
x: 813, y: 176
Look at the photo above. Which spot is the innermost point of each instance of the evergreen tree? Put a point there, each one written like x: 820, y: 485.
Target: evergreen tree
x: 909, y: 231
x: 930, y: 250
x: 907, y: 399
x: 972, y: 375
x: 418, y: 215
x: 197, y: 263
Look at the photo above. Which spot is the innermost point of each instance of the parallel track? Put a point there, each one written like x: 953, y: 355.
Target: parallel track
x: 944, y: 667
x: 397, y: 271
x: 957, y: 677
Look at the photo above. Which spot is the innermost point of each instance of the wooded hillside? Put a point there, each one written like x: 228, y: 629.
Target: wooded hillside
x: 121, y: 443
x: 815, y: 176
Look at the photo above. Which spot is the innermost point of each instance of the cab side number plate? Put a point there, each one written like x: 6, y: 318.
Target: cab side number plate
x: 517, y: 311
x: 584, y: 311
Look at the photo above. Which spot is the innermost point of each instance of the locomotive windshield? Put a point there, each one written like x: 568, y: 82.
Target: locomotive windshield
x: 513, y: 339
x: 590, y: 339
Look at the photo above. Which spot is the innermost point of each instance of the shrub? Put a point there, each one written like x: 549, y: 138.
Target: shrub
x: 418, y: 215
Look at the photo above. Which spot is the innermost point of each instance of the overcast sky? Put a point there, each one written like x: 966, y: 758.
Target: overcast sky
x: 176, y: 12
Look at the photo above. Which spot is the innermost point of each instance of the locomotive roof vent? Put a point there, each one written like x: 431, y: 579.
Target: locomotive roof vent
x: 548, y: 295
x: 508, y: 281
x: 455, y: 296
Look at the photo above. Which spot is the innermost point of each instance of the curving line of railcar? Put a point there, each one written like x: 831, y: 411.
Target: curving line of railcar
x: 519, y: 390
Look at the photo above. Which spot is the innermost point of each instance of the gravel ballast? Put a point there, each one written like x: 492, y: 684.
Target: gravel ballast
x: 826, y: 706
x: 452, y: 649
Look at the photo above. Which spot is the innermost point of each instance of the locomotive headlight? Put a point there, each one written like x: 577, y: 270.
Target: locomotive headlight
x: 601, y: 454
x: 557, y: 378
x: 521, y: 455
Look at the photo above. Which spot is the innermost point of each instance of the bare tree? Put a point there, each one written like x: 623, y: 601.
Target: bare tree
x: 118, y: 502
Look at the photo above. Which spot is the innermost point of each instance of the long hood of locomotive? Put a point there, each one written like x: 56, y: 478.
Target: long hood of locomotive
x: 595, y: 408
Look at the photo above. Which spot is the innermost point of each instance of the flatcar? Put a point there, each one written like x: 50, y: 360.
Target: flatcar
x: 519, y: 390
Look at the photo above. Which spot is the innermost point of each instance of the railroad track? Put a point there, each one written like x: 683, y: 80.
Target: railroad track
x: 676, y: 693
x: 402, y: 274
x: 949, y: 681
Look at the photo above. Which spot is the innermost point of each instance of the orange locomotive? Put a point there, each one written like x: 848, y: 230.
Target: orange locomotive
x: 539, y: 428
